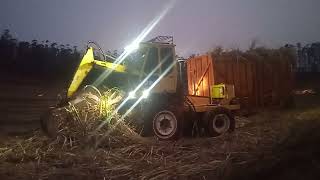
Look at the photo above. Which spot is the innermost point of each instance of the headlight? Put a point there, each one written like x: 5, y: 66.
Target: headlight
x: 132, y: 47
x: 132, y: 95
x: 145, y: 93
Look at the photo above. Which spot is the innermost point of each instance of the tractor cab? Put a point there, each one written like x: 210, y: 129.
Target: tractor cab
x: 155, y: 65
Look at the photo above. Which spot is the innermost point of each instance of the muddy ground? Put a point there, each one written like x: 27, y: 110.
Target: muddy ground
x: 273, y: 144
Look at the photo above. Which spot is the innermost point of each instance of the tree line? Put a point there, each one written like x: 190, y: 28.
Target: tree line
x: 45, y: 60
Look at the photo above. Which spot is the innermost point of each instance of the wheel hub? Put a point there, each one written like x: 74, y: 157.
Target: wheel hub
x: 221, y: 123
x: 165, y: 123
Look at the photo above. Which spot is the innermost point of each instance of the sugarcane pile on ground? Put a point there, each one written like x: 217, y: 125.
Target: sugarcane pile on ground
x: 91, y: 118
x: 78, y: 152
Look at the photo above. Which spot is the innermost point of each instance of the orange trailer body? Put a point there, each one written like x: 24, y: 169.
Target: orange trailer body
x: 257, y: 82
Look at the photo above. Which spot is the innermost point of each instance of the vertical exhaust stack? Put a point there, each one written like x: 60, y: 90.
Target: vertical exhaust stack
x: 182, y: 86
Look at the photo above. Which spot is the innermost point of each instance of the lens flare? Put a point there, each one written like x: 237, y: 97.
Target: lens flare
x: 142, y: 83
x: 136, y: 103
x: 141, y: 98
x: 132, y: 95
x: 130, y: 48
x: 145, y: 93
x: 127, y: 52
x: 132, y: 92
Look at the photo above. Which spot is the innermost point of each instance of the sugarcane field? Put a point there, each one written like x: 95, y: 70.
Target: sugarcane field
x: 108, y: 96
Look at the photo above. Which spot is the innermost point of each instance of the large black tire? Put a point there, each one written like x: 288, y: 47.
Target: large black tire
x: 219, y: 121
x: 167, y: 124
x: 49, y: 124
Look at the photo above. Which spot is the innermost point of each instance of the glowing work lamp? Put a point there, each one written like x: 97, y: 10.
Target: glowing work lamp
x: 145, y: 93
x: 132, y: 95
x: 132, y: 47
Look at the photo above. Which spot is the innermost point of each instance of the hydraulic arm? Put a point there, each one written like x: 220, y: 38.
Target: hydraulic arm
x: 85, y: 67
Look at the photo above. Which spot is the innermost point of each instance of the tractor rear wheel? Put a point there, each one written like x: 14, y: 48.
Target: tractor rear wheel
x: 219, y: 121
x: 167, y: 124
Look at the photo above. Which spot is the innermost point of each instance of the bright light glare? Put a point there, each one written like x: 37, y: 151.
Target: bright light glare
x: 136, y: 42
x: 135, y: 90
x: 147, y: 90
x: 132, y: 95
x: 138, y: 101
x: 145, y: 93
x: 119, y: 60
x: 128, y: 98
x: 132, y: 47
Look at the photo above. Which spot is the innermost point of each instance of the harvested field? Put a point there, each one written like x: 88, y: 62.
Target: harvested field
x: 268, y: 145
x: 131, y: 157
x: 128, y: 157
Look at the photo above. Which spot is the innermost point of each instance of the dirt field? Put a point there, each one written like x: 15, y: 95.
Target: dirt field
x: 274, y: 144
x: 22, y: 102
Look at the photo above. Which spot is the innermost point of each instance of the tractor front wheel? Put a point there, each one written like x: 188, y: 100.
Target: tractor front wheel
x: 166, y: 125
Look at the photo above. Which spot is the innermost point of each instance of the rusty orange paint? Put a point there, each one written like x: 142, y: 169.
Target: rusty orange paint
x: 200, y: 75
x: 257, y: 82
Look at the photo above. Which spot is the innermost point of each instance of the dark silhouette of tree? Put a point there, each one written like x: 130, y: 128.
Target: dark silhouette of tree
x: 217, y: 51
x: 115, y: 53
x: 40, y: 59
x: 6, y: 35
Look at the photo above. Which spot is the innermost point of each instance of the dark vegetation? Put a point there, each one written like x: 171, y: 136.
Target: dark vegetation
x: 40, y: 60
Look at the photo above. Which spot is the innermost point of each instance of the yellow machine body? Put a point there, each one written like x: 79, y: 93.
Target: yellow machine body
x: 222, y: 91
x: 85, y: 67
x: 218, y: 91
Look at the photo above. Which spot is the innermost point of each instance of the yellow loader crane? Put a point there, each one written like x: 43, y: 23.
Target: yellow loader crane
x: 166, y: 107
x: 86, y: 64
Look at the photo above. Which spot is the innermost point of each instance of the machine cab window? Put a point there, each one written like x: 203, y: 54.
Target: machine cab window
x: 166, y: 58
x: 151, y: 60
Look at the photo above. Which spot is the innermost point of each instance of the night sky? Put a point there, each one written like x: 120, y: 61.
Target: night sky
x: 197, y: 25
